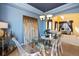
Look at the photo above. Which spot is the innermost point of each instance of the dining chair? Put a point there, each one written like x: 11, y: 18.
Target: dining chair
x: 56, y: 47
x: 22, y: 52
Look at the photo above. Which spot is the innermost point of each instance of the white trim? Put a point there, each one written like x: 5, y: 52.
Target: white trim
x: 62, y: 8
x: 26, y: 7
x: 29, y: 8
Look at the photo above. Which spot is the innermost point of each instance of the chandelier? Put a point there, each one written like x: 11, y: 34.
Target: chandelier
x: 46, y: 17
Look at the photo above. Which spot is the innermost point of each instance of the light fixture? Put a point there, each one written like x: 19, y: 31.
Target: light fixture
x: 49, y: 16
x: 3, y: 25
x: 62, y: 17
x: 46, y: 17
x: 42, y: 17
x: 77, y: 29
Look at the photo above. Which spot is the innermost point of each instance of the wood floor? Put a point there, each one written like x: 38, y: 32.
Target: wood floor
x: 68, y: 50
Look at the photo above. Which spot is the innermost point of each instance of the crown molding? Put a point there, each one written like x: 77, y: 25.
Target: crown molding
x: 26, y: 7
x: 62, y: 8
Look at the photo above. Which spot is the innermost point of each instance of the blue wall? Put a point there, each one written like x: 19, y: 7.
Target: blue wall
x: 42, y: 27
x: 14, y: 16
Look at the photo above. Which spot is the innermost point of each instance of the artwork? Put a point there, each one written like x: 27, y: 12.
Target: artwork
x: 66, y: 27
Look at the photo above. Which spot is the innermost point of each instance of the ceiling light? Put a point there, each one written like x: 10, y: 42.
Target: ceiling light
x: 42, y: 17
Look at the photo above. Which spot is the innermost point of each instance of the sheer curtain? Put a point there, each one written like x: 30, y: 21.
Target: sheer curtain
x: 26, y: 31
x: 30, y: 30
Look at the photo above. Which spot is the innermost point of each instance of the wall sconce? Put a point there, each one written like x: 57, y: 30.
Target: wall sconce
x: 42, y: 17
x: 3, y: 25
x: 49, y: 17
x: 62, y: 17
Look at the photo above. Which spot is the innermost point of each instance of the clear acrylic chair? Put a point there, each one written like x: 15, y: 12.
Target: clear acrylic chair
x: 22, y: 52
x: 56, y: 47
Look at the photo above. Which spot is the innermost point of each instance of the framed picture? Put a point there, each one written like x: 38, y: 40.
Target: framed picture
x: 66, y: 27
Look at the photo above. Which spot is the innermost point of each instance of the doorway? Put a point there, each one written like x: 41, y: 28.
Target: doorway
x: 30, y: 29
